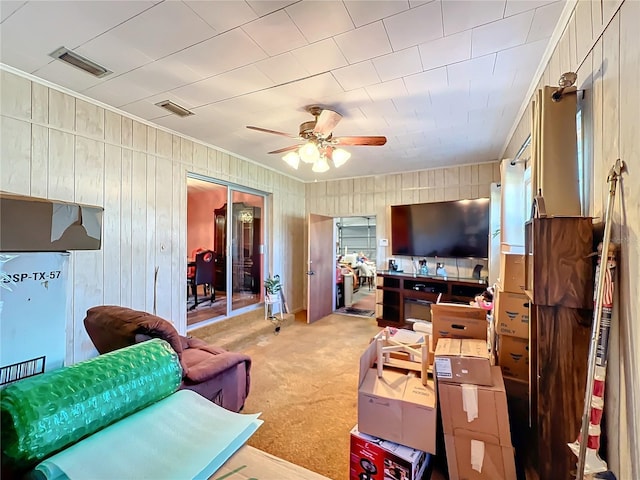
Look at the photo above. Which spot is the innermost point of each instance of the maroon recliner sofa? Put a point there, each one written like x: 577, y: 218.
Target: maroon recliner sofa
x: 218, y: 375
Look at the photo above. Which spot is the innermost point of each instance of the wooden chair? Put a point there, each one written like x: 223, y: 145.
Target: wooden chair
x: 205, y: 274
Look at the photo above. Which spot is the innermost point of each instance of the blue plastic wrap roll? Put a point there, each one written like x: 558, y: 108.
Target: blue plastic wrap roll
x: 43, y: 414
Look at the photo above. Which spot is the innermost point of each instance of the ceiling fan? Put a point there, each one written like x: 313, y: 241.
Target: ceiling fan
x: 320, y: 145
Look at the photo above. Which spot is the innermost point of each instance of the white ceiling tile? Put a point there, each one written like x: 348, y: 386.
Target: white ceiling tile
x: 148, y: 109
x: 379, y: 108
x: 357, y: 75
x: 175, y: 27
x: 318, y: 20
x: 462, y: 15
x: 418, y: 103
x: 474, y: 101
x: 446, y: 50
x: 318, y: 86
x: 471, y: 70
x: 387, y: 90
x: 230, y: 84
x: 544, y: 21
x: 118, y: 91
x: 265, y: 7
x: 320, y: 57
x: 518, y: 6
x: 65, y: 75
x: 501, y: 34
x: 223, y: 15
x: 432, y: 80
x: 398, y: 64
x: 347, y: 103
x: 415, y: 3
x: 282, y: 68
x: 276, y: 33
x: 113, y: 53
x: 415, y: 26
x: 525, y: 56
x: 29, y: 48
x: 163, y: 75
x: 364, y: 43
x: 219, y: 54
x: 8, y: 7
x: 363, y: 13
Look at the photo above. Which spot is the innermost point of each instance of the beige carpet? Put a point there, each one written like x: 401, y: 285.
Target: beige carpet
x: 304, y: 381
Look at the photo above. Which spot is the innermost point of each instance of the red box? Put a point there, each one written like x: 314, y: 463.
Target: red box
x: 376, y: 459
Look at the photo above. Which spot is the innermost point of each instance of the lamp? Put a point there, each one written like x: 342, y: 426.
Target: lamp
x: 321, y: 165
x: 293, y: 159
x: 340, y: 157
x: 309, y: 152
x: 318, y: 153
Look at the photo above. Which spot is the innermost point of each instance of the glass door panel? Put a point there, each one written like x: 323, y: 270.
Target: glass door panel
x: 206, y: 230
x: 246, y: 230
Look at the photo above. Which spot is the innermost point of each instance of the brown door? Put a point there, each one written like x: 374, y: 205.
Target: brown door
x: 321, y: 268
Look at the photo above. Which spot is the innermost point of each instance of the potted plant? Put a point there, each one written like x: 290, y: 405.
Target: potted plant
x: 272, y: 287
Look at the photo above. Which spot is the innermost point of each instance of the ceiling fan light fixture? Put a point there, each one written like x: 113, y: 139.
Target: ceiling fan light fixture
x: 340, y: 157
x: 293, y: 159
x: 321, y: 165
x: 309, y: 152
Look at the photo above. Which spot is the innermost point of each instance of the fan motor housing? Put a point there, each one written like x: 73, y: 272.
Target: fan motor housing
x: 306, y: 129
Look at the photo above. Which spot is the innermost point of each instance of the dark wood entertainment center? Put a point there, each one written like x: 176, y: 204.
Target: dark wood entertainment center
x: 397, y: 289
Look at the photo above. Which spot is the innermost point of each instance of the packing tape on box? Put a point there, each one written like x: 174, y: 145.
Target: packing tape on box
x: 43, y: 414
x: 477, y: 455
x: 470, y: 401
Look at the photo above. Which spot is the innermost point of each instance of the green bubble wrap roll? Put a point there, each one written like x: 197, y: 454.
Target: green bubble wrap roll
x: 43, y: 414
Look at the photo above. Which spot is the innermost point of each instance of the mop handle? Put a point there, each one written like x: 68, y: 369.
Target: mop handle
x: 612, y: 179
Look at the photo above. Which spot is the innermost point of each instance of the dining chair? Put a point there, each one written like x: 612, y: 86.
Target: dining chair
x: 205, y: 274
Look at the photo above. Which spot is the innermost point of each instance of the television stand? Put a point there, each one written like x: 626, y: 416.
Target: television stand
x: 401, y: 297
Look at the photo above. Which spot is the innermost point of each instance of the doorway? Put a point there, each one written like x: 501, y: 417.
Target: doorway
x: 356, y: 257
x: 229, y: 221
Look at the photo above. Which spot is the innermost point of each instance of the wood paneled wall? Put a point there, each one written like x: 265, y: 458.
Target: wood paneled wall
x: 374, y: 195
x: 58, y: 146
x: 600, y: 43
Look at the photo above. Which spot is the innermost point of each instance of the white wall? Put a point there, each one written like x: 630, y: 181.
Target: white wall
x: 57, y: 146
x: 600, y: 43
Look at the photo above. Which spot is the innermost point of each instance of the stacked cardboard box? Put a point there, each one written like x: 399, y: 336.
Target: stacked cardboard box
x: 396, y: 404
x: 511, y: 317
x: 474, y: 412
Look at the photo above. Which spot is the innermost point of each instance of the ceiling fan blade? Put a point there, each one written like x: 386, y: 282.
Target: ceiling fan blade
x: 326, y: 122
x: 373, y: 141
x: 286, y: 149
x: 266, y: 130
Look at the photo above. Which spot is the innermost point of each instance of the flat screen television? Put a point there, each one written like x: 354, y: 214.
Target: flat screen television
x: 456, y: 229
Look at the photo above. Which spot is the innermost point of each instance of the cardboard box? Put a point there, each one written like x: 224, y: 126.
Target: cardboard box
x: 476, y: 409
x: 511, y: 272
x: 513, y: 357
x: 463, y: 361
x: 452, y: 320
x: 29, y: 224
x: 474, y: 457
x: 34, y: 312
x: 512, y: 314
x: 396, y: 407
x: 383, y: 459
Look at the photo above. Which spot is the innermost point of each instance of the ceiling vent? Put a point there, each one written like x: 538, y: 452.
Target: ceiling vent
x: 174, y: 108
x: 80, y: 62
